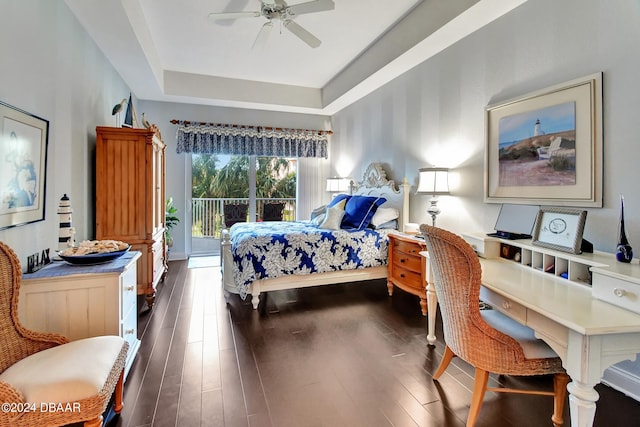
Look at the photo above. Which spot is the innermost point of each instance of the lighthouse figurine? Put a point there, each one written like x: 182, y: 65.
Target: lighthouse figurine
x: 65, y: 238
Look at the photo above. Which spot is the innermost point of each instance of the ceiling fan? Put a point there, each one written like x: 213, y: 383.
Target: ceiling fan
x: 284, y: 11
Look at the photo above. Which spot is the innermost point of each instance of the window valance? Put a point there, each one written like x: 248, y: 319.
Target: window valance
x: 209, y: 138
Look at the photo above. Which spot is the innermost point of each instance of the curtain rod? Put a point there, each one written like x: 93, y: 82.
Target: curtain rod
x: 186, y: 122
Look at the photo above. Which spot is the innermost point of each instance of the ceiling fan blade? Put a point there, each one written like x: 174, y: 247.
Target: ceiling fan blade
x: 234, y: 15
x: 263, y: 36
x: 303, y: 34
x: 310, y: 7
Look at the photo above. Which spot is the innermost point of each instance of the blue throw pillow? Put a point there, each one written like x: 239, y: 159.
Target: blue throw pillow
x: 359, y: 210
x: 338, y: 199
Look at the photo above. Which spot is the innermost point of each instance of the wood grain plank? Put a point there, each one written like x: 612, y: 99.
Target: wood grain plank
x: 343, y: 355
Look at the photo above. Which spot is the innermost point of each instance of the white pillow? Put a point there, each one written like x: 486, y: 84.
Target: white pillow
x: 317, y: 220
x: 383, y: 215
x: 318, y: 211
x: 333, y: 218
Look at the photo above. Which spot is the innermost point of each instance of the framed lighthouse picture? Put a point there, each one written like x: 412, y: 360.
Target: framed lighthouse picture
x: 545, y: 148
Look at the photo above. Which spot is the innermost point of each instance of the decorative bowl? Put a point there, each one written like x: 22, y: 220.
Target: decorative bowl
x: 90, y: 259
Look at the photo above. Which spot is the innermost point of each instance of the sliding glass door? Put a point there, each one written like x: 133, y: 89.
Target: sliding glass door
x: 220, y: 179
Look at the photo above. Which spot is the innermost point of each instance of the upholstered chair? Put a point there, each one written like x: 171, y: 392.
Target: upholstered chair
x: 486, y: 339
x: 234, y: 212
x: 45, y: 380
x: 272, y: 211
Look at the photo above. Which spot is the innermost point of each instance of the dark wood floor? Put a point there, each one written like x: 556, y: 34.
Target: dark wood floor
x: 342, y: 355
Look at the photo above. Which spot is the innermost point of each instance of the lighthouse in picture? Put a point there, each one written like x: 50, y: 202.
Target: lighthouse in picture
x: 65, y: 238
x: 536, y: 129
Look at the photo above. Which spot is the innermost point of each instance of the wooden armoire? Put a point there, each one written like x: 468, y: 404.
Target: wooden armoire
x: 130, y: 197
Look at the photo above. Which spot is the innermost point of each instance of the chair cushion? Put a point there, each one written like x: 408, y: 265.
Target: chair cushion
x: 66, y: 373
x: 532, y: 347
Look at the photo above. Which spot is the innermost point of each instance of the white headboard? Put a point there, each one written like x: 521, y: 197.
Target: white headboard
x: 375, y: 183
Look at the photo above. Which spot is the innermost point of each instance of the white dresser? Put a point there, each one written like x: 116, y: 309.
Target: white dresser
x: 84, y: 301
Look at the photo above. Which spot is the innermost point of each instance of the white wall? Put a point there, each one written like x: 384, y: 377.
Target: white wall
x: 434, y: 114
x: 52, y: 69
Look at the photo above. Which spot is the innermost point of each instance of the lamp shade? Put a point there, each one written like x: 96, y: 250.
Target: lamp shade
x: 433, y: 181
x: 338, y: 185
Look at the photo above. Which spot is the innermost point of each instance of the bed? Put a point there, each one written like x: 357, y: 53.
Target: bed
x: 309, y: 255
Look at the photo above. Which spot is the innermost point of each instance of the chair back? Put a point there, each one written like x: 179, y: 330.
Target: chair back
x: 12, y: 343
x: 457, y: 279
x: 235, y: 212
x: 272, y: 211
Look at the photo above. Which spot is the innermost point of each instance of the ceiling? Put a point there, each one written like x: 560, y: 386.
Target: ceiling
x: 168, y: 50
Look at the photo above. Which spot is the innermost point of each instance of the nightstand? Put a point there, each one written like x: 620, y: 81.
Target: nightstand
x: 407, y: 268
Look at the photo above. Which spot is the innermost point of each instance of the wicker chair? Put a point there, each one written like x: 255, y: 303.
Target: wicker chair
x: 488, y: 340
x: 234, y: 212
x: 46, y: 380
x: 272, y: 211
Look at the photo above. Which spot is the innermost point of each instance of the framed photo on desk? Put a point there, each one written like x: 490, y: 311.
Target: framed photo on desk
x: 560, y: 229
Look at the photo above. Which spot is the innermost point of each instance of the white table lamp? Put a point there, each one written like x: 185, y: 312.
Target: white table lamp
x: 337, y: 185
x: 433, y: 181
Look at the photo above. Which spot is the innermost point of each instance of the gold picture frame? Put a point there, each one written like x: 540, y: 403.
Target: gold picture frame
x: 545, y: 148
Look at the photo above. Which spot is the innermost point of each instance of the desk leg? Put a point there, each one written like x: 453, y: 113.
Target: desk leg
x: 432, y: 306
x: 582, y: 403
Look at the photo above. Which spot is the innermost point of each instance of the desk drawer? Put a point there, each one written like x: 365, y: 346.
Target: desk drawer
x: 616, y: 291
x: 408, y: 262
x: 504, y: 305
x: 408, y: 277
x: 408, y: 248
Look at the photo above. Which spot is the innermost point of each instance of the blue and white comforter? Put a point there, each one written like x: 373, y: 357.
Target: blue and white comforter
x: 264, y: 250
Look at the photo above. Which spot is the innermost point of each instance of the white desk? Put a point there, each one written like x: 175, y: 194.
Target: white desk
x: 588, y: 334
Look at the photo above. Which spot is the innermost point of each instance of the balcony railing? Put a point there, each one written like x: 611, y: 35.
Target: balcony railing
x: 207, y: 213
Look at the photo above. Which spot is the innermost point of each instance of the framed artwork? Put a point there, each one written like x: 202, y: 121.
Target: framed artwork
x: 560, y: 229
x: 23, y: 155
x: 545, y: 148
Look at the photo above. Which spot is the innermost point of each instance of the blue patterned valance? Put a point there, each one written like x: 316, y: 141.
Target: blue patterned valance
x: 206, y: 138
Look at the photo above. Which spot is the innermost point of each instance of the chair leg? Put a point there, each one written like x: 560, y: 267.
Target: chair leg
x: 96, y: 422
x: 560, y: 382
x: 479, y: 388
x: 117, y: 406
x: 444, y: 363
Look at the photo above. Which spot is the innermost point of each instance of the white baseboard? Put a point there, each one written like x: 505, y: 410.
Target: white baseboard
x: 624, y: 381
x: 177, y: 256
